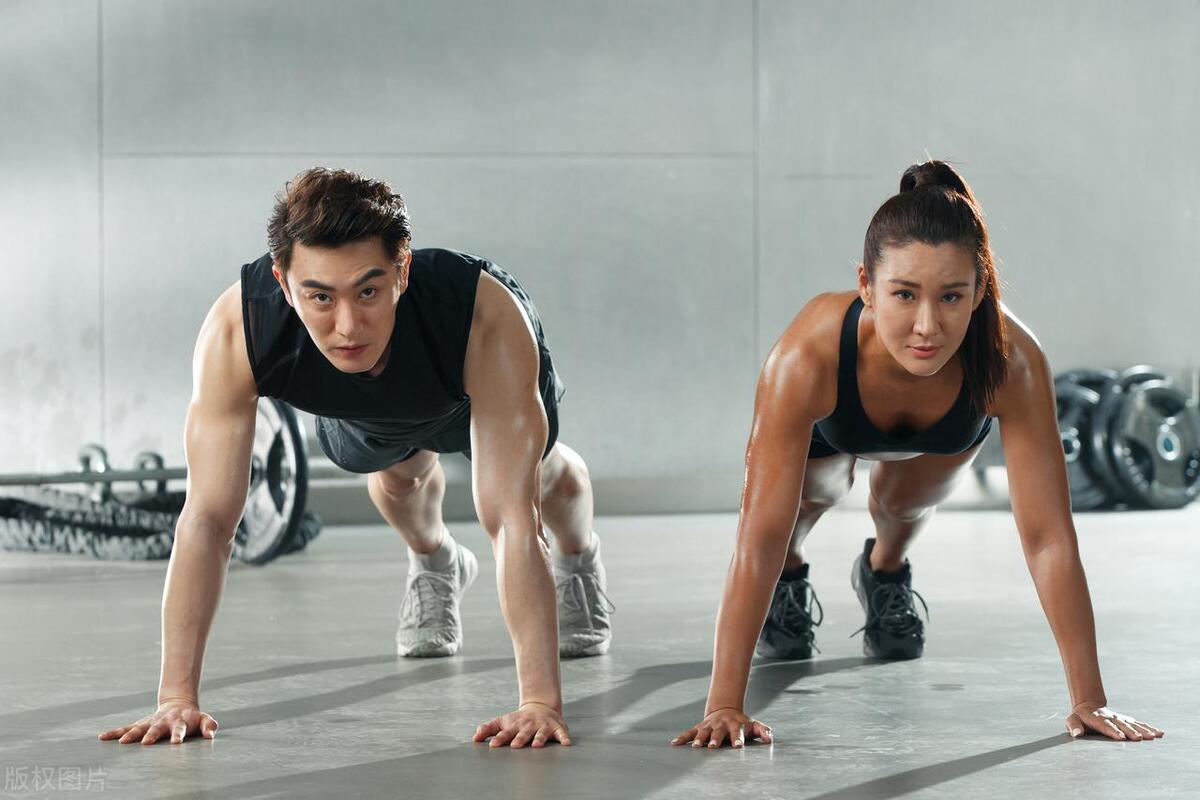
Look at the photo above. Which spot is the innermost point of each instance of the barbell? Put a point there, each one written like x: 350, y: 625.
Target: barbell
x: 273, y: 520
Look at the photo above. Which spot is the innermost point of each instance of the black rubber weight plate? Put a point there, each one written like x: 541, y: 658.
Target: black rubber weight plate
x: 278, y: 485
x: 1076, y: 405
x: 1154, y: 442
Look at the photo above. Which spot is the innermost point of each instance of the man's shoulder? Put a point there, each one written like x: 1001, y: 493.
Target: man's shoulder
x: 256, y: 279
x: 446, y: 258
x: 225, y: 316
x: 221, y: 361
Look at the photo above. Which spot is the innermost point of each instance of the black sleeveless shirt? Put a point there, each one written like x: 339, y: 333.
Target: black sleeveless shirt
x: 420, y: 391
x: 848, y: 430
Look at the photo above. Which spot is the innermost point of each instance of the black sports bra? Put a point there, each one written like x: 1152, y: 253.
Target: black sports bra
x: 848, y: 430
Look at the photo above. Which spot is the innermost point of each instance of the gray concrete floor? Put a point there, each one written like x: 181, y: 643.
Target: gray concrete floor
x: 313, y: 703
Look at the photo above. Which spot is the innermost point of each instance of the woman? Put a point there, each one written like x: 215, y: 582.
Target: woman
x: 907, y: 372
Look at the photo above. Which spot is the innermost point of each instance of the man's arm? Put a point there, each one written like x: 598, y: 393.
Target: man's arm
x: 219, y: 435
x: 508, y: 437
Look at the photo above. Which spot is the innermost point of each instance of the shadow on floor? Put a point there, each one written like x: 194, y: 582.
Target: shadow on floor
x: 913, y: 780
x: 22, y: 724
x: 357, y: 693
x: 767, y: 681
x: 640, y: 756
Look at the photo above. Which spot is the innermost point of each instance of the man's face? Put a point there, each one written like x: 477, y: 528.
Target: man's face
x: 922, y: 298
x: 346, y: 297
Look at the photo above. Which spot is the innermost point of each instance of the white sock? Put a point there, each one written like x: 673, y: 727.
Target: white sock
x: 575, y: 562
x: 437, y: 561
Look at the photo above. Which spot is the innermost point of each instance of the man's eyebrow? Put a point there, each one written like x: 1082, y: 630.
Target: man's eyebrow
x: 312, y: 284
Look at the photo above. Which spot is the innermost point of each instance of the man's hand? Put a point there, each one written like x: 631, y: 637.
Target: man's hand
x: 1101, y: 719
x: 531, y: 722
x: 179, y: 718
x: 722, y: 724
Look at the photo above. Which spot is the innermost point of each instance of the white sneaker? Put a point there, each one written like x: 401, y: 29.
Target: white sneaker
x: 430, y: 623
x: 584, y: 624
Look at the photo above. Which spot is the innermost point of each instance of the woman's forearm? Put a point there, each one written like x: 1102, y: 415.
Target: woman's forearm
x: 748, y: 587
x: 1062, y: 588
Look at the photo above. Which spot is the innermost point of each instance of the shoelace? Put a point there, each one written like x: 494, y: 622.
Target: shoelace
x: 572, y: 595
x: 891, y: 609
x: 429, y: 600
x: 789, y: 612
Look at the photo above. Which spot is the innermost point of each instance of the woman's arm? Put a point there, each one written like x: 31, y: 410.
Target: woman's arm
x: 789, y: 400
x: 1037, y: 479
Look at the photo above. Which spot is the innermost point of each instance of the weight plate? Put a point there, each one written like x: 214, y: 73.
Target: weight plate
x: 1076, y: 405
x: 1094, y: 379
x: 278, y: 485
x: 1154, y: 443
x: 1112, y: 395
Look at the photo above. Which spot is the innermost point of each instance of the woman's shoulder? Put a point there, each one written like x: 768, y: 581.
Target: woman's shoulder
x: 1025, y: 351
x: 1027, y: 368
x: 803, y: 363
x: 816, y: 329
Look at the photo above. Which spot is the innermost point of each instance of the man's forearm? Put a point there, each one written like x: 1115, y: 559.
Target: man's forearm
x: 195, y: 580
x: 1062, y: 588
x: 525, y: 581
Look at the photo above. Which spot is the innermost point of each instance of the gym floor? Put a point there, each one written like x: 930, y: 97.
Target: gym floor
x: 312, y: 702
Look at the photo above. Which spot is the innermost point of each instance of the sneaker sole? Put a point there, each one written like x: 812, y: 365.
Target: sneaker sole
x: 797, y: 654
x: 597, y: 649
x: 430, y: 651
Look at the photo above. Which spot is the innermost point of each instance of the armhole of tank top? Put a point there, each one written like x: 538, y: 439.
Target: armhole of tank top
x: 248, y: 311
x: 477, y: 270
x: 847, y: 372
x: 471, y: 285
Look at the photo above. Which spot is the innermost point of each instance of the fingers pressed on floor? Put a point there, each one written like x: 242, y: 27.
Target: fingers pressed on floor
x: 1112, y: 731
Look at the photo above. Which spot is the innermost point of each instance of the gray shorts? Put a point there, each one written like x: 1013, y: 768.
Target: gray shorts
x: 356, y: 450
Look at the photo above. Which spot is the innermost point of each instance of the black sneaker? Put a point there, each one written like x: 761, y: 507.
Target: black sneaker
x: 788, y: 631
x: 893, y: 630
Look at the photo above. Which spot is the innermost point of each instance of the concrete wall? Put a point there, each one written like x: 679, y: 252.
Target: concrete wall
x: 671, y: 179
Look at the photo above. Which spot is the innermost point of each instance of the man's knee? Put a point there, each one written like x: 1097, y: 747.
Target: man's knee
x: 565, y: 477
x: 567, y: 484
x: 405, y: 482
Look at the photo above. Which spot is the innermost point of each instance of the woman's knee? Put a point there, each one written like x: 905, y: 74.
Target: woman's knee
x: 893, y: 507
x: 908, y: 500
x: 822, y: 494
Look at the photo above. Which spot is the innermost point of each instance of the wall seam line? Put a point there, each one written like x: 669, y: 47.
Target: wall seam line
x: 100, y: 214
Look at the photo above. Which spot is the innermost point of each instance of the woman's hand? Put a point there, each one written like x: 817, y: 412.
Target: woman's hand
x: 532, y: 723
x: 1102, y: 719
x: 178, y: 718
x: 722, y: 724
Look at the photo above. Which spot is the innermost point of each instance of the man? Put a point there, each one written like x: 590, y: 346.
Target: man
x: 401, y: 355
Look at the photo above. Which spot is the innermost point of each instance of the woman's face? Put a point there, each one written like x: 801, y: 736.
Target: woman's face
x: 922, y: 298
